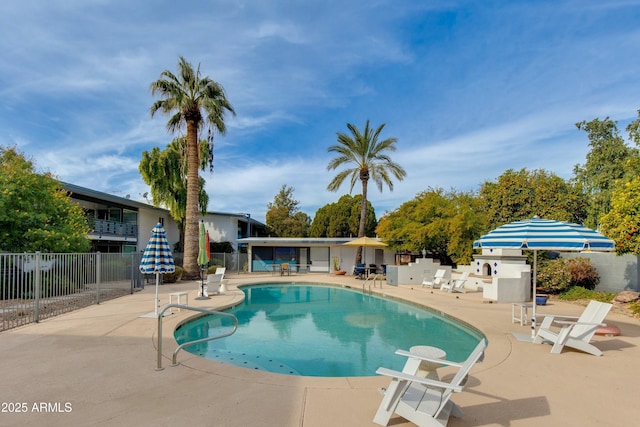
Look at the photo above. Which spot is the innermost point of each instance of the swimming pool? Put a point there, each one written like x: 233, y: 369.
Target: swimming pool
x: 323, y: 330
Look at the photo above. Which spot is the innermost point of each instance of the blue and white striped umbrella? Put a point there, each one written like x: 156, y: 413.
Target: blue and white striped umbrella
x: 543, y: 234
x: 157, y: 257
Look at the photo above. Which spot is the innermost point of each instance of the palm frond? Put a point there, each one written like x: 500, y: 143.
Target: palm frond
x: 187, y: 93
x: 337, y: 181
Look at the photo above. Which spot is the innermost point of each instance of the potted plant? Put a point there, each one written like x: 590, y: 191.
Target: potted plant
x: 336, y: 267
x: 541, y: 299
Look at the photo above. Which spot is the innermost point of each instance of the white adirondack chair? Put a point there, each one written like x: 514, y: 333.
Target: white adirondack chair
x: 213, y: 284
x: 456, y: 285
x: 424, y: 401
x: 221, y: 270
x: 436, y: 281
x: 574, y: 332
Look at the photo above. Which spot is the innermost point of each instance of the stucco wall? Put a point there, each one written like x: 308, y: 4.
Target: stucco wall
x: 222, y: 229
x: 617, y: 272
x: 414, y: 272
x: 147, y: 219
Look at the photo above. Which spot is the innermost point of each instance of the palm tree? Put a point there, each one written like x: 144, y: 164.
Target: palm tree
x: 369, y: 160
x: 165, y: 173
x: 187, y: 96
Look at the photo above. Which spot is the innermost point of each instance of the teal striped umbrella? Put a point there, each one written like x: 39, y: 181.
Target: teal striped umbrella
x: 157, y: 257
x: 543, y: 234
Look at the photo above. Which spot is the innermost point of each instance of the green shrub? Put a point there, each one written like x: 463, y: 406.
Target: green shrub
x: 559, y: 275
x: 583, y: 274
x: 580, y: 293
x: 173, y: 277
x: 553, y: 277
x: 635, y: 307
x: 216, y: 261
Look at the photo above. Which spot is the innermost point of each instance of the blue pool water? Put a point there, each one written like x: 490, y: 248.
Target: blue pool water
x: 318, y: 330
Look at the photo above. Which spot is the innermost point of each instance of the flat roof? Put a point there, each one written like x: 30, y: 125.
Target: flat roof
x: 101, y: 197
x: 297, y: 240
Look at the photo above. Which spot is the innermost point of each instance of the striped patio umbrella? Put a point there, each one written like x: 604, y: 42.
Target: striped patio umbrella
x: 157, y: 258
x: 543, y: 234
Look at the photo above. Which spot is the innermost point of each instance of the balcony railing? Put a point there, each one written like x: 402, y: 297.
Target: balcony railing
x: 113, y: 228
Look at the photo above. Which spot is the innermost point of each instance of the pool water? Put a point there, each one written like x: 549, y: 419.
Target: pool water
x: 327, y: 331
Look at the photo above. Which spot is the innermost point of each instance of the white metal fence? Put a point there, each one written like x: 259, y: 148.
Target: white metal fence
x: 233, y: 262
x: 35, y: 286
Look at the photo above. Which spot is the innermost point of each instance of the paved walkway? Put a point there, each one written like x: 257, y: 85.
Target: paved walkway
x: 96, y: 367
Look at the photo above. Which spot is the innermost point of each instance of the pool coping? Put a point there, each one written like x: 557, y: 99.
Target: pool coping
x: 173, y: 322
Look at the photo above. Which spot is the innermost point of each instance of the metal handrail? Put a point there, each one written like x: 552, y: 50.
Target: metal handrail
x: 183, y: 345
x: 375, y: 277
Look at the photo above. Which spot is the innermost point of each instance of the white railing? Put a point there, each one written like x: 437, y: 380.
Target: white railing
x: 35, y: 286
x: 233, y: 262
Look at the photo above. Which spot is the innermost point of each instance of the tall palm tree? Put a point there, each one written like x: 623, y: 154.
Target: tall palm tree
x: 165, y: 173
x: 368, y: 160
x: 194, y: 101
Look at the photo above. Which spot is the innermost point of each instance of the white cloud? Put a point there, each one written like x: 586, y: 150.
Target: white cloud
x: 470, y: 90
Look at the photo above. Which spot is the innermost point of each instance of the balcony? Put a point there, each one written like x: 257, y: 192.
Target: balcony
x: 112, y: 229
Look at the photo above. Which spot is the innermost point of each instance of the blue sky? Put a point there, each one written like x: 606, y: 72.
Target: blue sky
x: 469, y: 88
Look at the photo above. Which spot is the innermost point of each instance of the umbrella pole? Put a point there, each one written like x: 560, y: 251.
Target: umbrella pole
x: 157, y: 302
x: 202, y: 280
x: 202, y: 274
x: 535, y: 280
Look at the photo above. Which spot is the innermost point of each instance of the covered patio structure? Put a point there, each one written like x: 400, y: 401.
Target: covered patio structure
x: 307, y: 254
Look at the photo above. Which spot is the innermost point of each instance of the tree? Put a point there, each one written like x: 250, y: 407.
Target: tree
x: 165, y: 173
x: 523, y: 194
x: 36, y: 213
x: 443, y: 224
x: 342, y: 219
x: 284, y: 218
x: 187, y: 96
x: 622, y: 222
x: 368, y: 159
x: 609, y: 161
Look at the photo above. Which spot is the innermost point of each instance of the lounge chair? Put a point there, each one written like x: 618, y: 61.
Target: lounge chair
x: 456, y: 285
x: 424, y: 401
x: 572, y: 333
x: 221, y: 270
x: 213, y: 284
x: 436, y: 281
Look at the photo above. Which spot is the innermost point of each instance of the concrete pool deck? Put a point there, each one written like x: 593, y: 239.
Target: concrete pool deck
x: 96, y: 366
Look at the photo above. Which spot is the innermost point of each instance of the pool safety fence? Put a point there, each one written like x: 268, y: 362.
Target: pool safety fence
x: 233, y: 262
x: 36, y: 286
